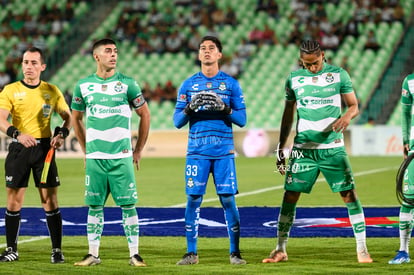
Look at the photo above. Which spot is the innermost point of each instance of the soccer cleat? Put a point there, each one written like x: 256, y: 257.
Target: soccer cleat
x: 402, y: 257
x: 88, y: 260
x: 364, y: 257
x: 9, y: 255
x: 188, y: 258
x: 57, y: 256
x: 136, y: 260
x: 236, y: 258
x: 275, y: 257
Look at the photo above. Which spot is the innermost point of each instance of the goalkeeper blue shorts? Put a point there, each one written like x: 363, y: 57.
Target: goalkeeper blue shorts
x: 197, y: 172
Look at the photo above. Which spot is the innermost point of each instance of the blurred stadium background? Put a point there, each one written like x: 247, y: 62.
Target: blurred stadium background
x: 66, y: 29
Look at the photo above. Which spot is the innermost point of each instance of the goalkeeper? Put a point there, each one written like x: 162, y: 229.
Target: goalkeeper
x: 407, y: 188
x: 210, y: 101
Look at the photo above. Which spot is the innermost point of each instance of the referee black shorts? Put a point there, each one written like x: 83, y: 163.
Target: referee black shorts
x: 20, y: 161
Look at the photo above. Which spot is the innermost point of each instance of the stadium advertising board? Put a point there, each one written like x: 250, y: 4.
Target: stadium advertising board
x: 359, y: 141
x: 379, y: 140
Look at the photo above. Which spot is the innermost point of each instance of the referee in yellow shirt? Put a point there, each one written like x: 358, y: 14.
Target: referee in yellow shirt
x: 30, y: 103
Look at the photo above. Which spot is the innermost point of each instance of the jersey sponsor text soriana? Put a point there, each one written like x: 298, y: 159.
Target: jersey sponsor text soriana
x: 31, y: 107
x: 108, y: 114
x: 318, y: 101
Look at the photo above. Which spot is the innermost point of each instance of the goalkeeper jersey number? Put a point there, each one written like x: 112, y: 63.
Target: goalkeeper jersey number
x: 318, y: 101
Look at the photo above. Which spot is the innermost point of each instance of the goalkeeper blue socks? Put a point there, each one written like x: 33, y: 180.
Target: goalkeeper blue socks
x: 192, y: 216
x: 231, y: 213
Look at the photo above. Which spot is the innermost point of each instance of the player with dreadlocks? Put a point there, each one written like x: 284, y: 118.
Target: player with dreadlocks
x: 316, y: 92
x: 405, y: 176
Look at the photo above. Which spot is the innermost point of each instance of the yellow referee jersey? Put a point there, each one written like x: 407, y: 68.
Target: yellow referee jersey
x: 31, y: 107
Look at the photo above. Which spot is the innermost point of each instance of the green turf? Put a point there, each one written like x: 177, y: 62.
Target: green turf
x: 166, y: 176
x: 306, y: 256
x: 160, y: 183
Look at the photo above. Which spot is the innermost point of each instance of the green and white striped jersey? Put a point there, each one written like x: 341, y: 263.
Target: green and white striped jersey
x: 107, y: 103
x: 318, y: 101
x: 407, y: 94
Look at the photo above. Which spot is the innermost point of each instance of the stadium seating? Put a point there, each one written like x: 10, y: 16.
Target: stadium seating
x: 264, y: 74
x: 33, y: 9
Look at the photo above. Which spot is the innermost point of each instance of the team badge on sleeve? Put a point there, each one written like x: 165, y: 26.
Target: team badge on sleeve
x: 404, y: 92
x: 77, y: 100
x: 182, y: 97
x: 138, y: 101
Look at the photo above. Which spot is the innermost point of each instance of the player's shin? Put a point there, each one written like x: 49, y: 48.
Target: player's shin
x: 405, y: 227
x: 54, y: 224
x: 284, y: 225
x: 95, y: 228
x: 131, y: 228
x: 192, y: 216
x: 232, y: 216
x: 357, y: 219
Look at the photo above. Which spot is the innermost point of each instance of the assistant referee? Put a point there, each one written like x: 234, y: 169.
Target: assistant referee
x: 30, y: 103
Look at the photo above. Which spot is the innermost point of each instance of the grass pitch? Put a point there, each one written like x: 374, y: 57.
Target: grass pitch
x: 161, y: 184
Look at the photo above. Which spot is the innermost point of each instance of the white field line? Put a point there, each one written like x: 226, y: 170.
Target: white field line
x: 258, y: 191
x: 28, y: 240
x: 363, y: 173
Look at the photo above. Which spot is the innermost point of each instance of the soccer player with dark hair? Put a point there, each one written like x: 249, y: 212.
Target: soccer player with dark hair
x: 106, y: 98
x: 31, y: 102
x: 407, y: 184
x: 315, y: 93
x: 210, y: 101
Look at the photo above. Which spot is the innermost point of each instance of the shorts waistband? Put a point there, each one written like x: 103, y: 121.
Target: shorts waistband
x: 38, y: 140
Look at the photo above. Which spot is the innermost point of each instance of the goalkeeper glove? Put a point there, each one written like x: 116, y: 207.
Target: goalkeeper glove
x: 213, y: 102
x: 194, y: 105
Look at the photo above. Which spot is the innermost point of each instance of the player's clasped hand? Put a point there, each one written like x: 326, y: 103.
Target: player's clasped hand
x: 207, y: 101
x: 195, y: 102
x: 212, y: 102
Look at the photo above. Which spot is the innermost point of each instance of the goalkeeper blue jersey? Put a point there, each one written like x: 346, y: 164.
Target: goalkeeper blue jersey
x: 210, y: 133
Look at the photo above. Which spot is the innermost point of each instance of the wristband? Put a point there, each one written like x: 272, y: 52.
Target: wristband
x: 12, y: 132
x: 188, y: 110
x: 64, y: 132
x: 227, y: 110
